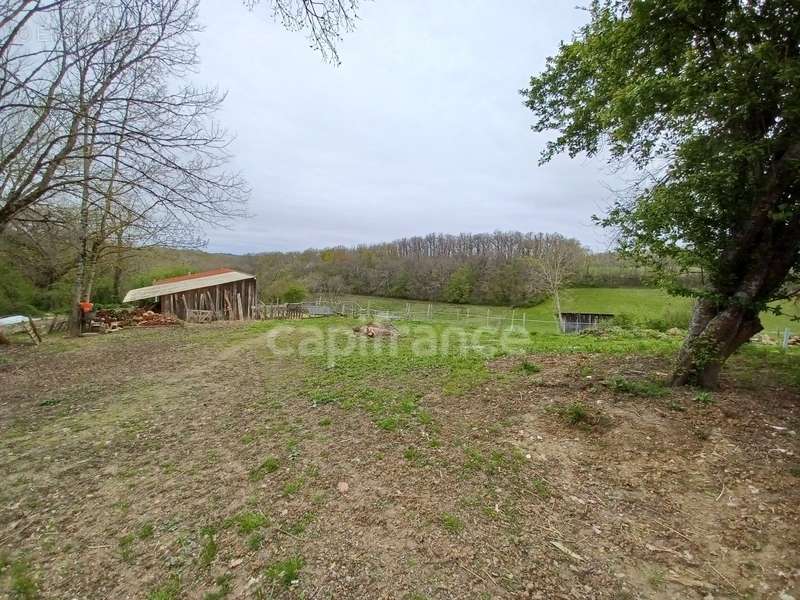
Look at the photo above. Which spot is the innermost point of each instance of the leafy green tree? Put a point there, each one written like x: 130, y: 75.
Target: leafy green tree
x: 704, y: 98
x: 296, y: 292
x: 459, y: 286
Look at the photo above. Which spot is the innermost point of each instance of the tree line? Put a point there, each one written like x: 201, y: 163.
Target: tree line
x: 499, y: 268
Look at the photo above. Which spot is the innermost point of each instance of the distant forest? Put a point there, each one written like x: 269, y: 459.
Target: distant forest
x: 487, y: 268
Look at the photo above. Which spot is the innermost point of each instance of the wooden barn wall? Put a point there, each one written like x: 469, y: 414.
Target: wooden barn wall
x: 231, y: 301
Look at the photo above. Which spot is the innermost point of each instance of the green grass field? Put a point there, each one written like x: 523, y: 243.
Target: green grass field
x: 643, y: 305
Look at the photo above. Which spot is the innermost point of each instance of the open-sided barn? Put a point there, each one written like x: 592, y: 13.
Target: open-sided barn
x: 221, y: 294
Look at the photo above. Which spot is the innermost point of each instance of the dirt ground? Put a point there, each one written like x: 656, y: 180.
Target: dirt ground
x: 192, y: 463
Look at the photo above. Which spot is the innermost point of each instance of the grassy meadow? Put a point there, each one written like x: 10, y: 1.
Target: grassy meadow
x: 648, y: 307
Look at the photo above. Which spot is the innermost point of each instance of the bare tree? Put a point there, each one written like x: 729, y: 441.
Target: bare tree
x: 94, y: 117
x: 556, y: 261
x: 323, y: 19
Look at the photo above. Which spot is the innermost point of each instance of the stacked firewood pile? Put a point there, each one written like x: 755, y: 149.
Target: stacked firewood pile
x: 137, y: 317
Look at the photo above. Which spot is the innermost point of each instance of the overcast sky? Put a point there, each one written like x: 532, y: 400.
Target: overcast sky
x: 421, y: 129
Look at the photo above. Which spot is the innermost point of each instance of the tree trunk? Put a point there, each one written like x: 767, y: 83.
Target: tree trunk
x: 557, y: 303
x: 714, y: 334
x: 83, y: 251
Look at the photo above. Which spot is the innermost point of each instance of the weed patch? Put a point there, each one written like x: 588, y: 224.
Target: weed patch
x: 452, y: 523
x: 248, y: 522
x: 529, y: 367
x: 270, y: 465
x: 646, y: 389
x: 169, y: 590
x: 286, y: 571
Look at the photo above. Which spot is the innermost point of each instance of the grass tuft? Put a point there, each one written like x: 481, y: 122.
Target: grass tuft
x: 270, y: 465
x: 529, y: 368
x: 285, y: 572
x: 248, y: 522
x: 646, y: 389
x: 704, y: 398
x: 169, y: 590
x: 452, y: 523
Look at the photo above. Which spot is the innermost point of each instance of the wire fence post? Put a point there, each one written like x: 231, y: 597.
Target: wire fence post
x: 785, y: 338
x: 487, y: 317
x: 524, y: 326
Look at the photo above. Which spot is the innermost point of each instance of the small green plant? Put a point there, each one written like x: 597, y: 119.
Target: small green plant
x: 676, y: 406
x: 169, y: 590
x: 126, y: 547
x: 299, y: 526
x: 541, y: 487
x: 795, y: 470
x: 575, y: 413
x: 255, y: 541
x: 529, y: 368
x: 451, y: 523
x: 424, y: 417
x: 411, y: 454
x: 388, y: 423
x: 248, y: 522
x: 270, y: 465
x: 145, y: 531
x: 656, y: 579
x: 325, y: 422
x: 286, y: 571
x: 23, y: 585
x: 705, y: 398
x: 208, y: 549
x: 647, y: 389
x: 293, y: 486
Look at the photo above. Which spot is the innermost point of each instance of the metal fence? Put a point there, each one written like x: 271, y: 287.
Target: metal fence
x: 437, y: 313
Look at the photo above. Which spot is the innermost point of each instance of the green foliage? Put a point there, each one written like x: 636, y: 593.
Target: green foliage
x: 541, y: 487
x: 208, y: 548
x: 529, y: 367
x: 17, y: 294
x: 286, y: 571
x: 270, y: 465
x: 169, y: 590
x: 648, y: 389
x: 126, y: 547
x: 23, y: 585
x: 575, y: 413
x: 705, y: 398
x: 673, y: 84
x: 145, y: 531
x: 283, y: 290
x: 459, y: 287
x: 248, y: 522
x: 295, y: 293
x: 451, y: 522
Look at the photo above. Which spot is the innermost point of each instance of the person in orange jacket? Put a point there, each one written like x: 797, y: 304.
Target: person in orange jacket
x: 86, y: 309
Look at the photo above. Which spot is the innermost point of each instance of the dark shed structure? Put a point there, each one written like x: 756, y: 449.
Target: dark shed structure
x: 574, y: 321
x: 221, y: 294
